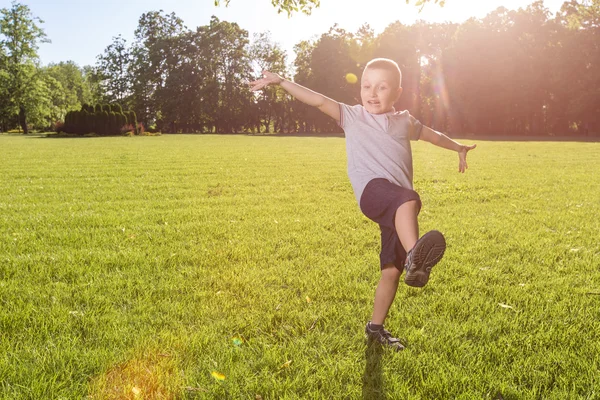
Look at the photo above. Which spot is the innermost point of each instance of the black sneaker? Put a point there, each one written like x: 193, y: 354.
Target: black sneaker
x: 427, y: 252
x: 382, y: 337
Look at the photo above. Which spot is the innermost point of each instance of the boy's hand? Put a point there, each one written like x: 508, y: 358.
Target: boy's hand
x: 462, y: 157
x: 268, y: 78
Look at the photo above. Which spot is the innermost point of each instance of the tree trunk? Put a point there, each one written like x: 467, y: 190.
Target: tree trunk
x: 23, y: 120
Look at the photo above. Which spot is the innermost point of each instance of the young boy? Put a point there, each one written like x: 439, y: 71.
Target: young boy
x: 381, y: 173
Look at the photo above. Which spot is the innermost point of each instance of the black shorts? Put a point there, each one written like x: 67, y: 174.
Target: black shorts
x: 379, y: 202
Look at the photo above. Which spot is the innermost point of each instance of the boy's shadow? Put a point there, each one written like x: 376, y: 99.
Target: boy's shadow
x: 373, y: 376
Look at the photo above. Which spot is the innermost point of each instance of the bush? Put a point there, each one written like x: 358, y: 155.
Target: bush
x: 132, y: 119
x: 85, y: 122
x: 112, y: 125
x: 128, y: 130
x: 77, y: 126
x: 59, y: 127
x: 104, y: 122
x: 121, y: 119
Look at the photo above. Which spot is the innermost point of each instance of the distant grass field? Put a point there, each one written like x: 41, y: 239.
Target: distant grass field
x: 237, y: 267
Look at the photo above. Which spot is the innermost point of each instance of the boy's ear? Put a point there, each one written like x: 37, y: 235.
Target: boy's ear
x: 399, y: 93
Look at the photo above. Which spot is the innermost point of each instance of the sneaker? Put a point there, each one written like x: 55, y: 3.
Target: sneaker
x: 382, y: 337
x: 427, y: 252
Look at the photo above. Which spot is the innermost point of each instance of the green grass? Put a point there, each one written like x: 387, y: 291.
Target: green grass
x: 129, y: 265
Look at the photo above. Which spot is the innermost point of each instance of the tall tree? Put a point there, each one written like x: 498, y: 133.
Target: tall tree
x: 331, y: 60
x: 225, y: 96
x: 20, y: 37
x: 306, y: 6
x: 267, y: 55
x: 114, y: 70
x: 92, y: 80
x: 74, y: 91
x: 289, y: 6
x: 303, y: 76
x: 5, y: 101
x: 151, y: 61
x: 400, y: 43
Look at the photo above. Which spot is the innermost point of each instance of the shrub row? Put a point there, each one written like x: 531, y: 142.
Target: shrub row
x: 102, y: 120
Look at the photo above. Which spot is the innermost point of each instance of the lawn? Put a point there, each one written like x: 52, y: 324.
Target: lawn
x: 218, y: 267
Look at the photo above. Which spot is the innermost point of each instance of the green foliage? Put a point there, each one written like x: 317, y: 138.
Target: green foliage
x: 289, y: 6
x: 21, y: 37
x: 86, y: 122
x: 113, y: 70
x: 306, y: 6
x: 105, y: 123
x: 112, y: 123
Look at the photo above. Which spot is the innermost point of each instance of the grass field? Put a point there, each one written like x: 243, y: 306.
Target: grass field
x: 238, y: 267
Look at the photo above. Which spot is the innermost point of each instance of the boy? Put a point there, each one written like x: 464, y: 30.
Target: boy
x: 380, y: 171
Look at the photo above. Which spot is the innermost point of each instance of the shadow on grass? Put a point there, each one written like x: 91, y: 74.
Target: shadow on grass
x: 373, y: 376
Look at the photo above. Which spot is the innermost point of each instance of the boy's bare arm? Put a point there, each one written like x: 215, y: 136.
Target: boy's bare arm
x: 305, y: 95
x: 441, y: 140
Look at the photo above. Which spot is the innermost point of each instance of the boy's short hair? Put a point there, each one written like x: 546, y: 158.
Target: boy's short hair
x: 387, y: 65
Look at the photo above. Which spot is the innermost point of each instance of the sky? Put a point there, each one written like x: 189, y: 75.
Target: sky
x: 80, y: 30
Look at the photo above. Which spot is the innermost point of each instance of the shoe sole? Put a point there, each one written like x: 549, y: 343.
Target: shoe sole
x: 428, y: 251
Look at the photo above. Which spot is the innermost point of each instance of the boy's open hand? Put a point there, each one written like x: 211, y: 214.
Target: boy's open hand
x: 268, y: 78
x: 462, y: 157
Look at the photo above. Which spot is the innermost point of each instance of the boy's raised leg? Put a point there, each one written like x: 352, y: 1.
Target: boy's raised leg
x: 407, y: 225
x: 423, y: 253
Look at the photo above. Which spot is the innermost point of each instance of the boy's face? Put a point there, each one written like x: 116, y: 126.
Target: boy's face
x: 379, y: 90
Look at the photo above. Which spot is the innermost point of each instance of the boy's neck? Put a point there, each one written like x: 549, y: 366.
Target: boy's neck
x: 391, y: 111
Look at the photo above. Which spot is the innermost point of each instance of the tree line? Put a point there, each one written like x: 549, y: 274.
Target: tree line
x: 513, y: 72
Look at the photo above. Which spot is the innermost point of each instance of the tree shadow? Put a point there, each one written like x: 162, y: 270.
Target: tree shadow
x: 373, y: 376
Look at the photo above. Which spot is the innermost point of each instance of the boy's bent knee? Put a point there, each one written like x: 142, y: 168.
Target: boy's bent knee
x: 412, y: 205
x: 415, y: 203
x: 389, y: 271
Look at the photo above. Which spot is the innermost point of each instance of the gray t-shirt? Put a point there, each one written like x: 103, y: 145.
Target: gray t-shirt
x: 378, y: 146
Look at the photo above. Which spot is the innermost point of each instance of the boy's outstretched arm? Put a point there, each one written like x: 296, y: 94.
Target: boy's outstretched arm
x: 305, y: 95
x: 441, y: 140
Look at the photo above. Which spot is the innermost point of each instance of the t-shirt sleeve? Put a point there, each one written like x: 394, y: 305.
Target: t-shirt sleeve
x: 415, y: 128
x: 347, y: 115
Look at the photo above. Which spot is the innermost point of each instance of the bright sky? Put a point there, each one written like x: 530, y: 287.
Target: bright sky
x: 80, y: 30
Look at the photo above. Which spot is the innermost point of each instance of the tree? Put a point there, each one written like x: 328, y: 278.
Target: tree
x: 225, y: 98
x: 152, y: 61
x: 306, y: 6
x: 304, y: 77
x: 400, y: 43
x: 266, y: 55
x: 580, y: 59
x: 330, y: 61
x: 72, y: 90
x: 92, y: 79
x: 113, y: 68
x: 289, y: 6
x: 20, y: 37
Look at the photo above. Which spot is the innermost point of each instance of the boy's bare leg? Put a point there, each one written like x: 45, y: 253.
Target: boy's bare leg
x: 407, y: 225
x: 385, y: 293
